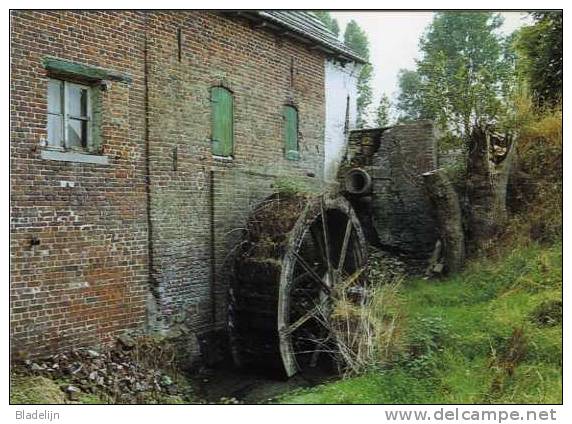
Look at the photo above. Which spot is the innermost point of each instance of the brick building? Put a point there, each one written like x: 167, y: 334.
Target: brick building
x: 140, y: 140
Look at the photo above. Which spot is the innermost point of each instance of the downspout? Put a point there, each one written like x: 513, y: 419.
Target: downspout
x: 213, y: 246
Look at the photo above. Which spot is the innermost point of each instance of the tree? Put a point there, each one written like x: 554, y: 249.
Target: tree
x: 382, y: 113
x: 460, y: 76
x: 356, y: 39
x: 539, y: 49
x: 329, y: 22
x: 410, y: 99
x: 464, y: 82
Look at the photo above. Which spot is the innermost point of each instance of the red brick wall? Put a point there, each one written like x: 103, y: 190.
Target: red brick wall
x: 86, y: 280
x: 255, y: 64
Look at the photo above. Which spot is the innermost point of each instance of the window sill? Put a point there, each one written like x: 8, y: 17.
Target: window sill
x: 223, y: 158
x: 74, y: 157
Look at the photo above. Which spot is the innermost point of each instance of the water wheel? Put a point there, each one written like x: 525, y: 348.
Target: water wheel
x: 298, y: 252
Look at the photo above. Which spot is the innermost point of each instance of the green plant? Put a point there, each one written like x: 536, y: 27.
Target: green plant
x: 548, y: 313
x: 427, y: 337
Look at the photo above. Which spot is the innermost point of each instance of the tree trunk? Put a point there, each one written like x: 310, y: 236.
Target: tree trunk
x: 448, y: 212
x: 488, y: 167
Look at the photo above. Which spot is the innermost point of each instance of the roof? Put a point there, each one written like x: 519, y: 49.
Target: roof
x: 306, y: 27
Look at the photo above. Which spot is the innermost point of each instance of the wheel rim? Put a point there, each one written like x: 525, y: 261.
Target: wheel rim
x: 324, y: 256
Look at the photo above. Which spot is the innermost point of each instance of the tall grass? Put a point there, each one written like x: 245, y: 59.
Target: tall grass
x: 366, y: 319
x: 367, y: 334
x: 536, y: 189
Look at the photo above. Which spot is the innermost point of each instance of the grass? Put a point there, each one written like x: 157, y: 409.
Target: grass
x: 491, y: 334
x: 32, y: 389
x: 26, y: 390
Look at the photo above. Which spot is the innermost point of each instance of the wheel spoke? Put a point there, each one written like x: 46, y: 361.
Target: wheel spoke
x: 314, y: 359
x: 300, y: 277
x: 345, y: 245
x: 321, y: 347
x: 311, y: 272
x: 318, y: 240
x: 326, y: 243
x: 312, y: 313
x: 351, y: 279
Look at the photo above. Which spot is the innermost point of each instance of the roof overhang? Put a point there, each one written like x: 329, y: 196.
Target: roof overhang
x: 262, y: 19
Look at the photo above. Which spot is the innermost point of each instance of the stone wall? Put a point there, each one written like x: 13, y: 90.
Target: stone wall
x: 395, y: 158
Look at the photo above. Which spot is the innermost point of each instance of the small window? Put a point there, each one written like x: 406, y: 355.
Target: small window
x: 69, y: 115
x: 222, y: 122
x: 291, y: 133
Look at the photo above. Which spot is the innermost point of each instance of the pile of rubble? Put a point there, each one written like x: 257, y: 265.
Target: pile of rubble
x: 115, y: 375
x: 385, y: 268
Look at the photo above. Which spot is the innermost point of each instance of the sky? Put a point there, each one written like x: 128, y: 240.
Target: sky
x: 394, y: 39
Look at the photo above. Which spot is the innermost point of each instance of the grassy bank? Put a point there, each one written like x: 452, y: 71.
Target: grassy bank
x: 492, y: 334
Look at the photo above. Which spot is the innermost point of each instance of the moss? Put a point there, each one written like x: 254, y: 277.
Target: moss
x: 92, y: 399
x: 293, y: 185
x: 25, y: 389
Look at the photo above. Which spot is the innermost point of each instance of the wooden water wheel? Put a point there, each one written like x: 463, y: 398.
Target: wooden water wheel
x: 297, y: 253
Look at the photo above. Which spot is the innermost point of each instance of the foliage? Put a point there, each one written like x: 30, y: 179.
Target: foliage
x: 382, y: 113
x: 329, y: 22
x: 426, y: 339
x: 473, y: 338
x: 535, y: 191
x: 463, y: 75
x: 539, y: 48
x: 356, y: 39
x: 410, y: 101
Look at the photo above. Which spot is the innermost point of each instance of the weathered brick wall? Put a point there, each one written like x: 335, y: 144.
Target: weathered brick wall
x: 85, y: 279
x: 98, y: 265
x: 200, y: 190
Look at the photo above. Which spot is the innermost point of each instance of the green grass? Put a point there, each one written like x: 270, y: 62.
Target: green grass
x: 34, y: 390
x: 473, y: 338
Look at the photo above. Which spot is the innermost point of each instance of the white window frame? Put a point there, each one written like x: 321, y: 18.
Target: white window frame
x: 64, y: 142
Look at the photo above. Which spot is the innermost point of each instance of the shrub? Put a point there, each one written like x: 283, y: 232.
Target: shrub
x: 535, y: 192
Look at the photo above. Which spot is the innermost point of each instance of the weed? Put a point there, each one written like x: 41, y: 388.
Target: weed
x: 548, y: 313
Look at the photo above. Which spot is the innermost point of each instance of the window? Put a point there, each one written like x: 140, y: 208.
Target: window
x: 69, y: 115
x: 291, y: 132
x: 222, y: 122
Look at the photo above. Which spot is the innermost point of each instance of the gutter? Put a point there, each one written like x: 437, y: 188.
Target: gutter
x: 266, y: 20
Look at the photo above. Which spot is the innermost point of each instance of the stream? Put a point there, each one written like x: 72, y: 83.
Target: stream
x: 250, y: 387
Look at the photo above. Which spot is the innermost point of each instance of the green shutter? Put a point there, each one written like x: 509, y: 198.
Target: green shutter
x: 291, y: 133
x: 222, y: 131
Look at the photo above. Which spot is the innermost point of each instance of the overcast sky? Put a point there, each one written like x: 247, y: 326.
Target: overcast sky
x: 394, y: 41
